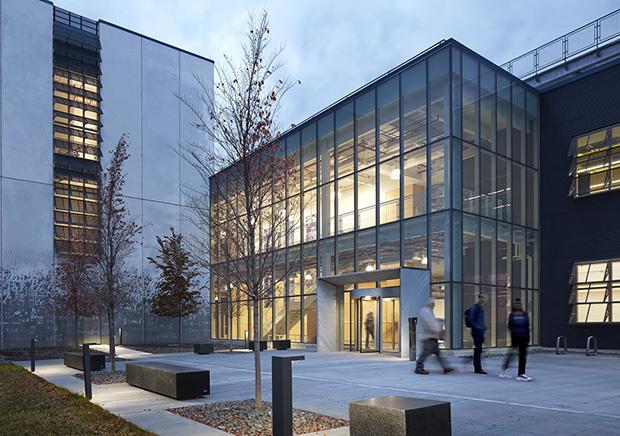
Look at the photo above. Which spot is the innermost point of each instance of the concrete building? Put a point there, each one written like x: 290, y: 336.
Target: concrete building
x: 69, y: 88
x: 435, y: 180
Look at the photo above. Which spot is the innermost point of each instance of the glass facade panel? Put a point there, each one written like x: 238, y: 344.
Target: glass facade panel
x: 415, y: 174
x: 518, y: 194
x: 308, y: 156
x: 389, y: 191
x: 326, y: 157
x: 327, y: 258
x: 440, y: 176
x: 366, y: 194
x: 309, y: 263
x: 310, y: 321
x: 293, y: 156
x: 518, y: 123
x: 344, y: 139
x: 365, y: 130
x: 366, y: 250
x: 310, y: 215
x: 471, y: 249
x: 389, y: 246
x: 413, y: 101
x: 531, y: 130
x: 415, y: 253
x: 503, y: 115
x: 471, y: 99
x: 518, y: 257
x: 439, y: 95
x: 346, y: 204
x: 440, y: 247
x: 294, y: 271
x: 488, y: 179
x: 389, y: 119
x: 487, y: 107
x: 488, y: 262
x: 294, y: 319
x: 327, y: 201
x: 471, y: 176
x: 345, y: 254
x: 504, y: 189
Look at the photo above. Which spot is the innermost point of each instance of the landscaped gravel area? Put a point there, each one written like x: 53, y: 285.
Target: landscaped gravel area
x: 240, y: 418
x: 104, y: 377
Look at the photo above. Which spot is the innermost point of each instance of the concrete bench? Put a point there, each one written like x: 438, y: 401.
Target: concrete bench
x: 175, y: 381
x: 392, y: 416
x: 203, y: 348
x: 281, y: 344
x: 263, y: 345
x: 75, y: 359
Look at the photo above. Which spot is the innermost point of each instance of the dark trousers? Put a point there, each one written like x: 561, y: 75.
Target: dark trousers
x: 478, y: 341
x: 521, y: 344
x: 430, y: 346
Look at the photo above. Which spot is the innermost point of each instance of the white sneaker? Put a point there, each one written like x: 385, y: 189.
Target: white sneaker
x: 523, y: 377
x: 503, y: 375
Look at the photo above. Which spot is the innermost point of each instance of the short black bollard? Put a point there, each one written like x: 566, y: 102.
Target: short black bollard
x: 32, y: 365
x: 282, y: 394
x: 88, y: 389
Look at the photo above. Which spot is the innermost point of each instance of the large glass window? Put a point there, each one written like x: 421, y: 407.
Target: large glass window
x: 488, y: 192
x: 440, y: 247
x: 308, y: 156
x: 487, y: 107
x: 504, y: 192
x: 366, y: 250
x: 365, y: 129
x: 327, y: 201
x: 344, y: 139
x: 389, y: 191
x: 389, y: 246
x: 389, y: 121
x: 310, y: 321
x: 326, y: 149
x: 503, y: 115
x: 596, y: 162
x: 327, y: 257
x: 309, y: 263
x: 416, y: 171
x: 439, y: 95
x: 346, y: 203
x: 345, y: 254
x: 471, y: 174
x: 532, y: 135
x: 294, y: 271
x: 488, y: 261
x: 309, y: 207
x: 595, y: 295
x: 366, y: 194
x: 440, y: 176
x: 279, y: 318
x: 293, y: 218
x: 414, y: 243
x: 413, y: 101
x: 532, y: 198
x: 471, y: 249
x: 293, y: 156
x: 504, y: 247
x: 294, y: 319
x: 518, y: 257
x: 471, y: 99
x: 518, y: 123
x: 518, y: 194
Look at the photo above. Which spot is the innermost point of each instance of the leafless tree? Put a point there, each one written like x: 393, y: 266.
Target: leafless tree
x: 111, y: 279
x: 242, y: 236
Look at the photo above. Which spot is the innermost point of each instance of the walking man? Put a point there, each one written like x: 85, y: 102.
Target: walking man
x: 519, y: 326
x: 475, y: 317
x: 369, y: 326
x: 429, y: 331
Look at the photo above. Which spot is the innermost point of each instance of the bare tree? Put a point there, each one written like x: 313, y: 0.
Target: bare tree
x: 74, y: 295
x: 243, y: 234
x: 111, y: 278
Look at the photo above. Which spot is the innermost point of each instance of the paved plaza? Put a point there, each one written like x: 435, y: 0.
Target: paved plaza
x: 570, y: 395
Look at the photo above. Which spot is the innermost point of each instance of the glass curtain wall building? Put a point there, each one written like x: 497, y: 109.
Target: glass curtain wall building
x: 433, y: 166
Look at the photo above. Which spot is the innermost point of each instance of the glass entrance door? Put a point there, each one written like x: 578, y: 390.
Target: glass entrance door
x: 389, y: 324
x: 368, y: 324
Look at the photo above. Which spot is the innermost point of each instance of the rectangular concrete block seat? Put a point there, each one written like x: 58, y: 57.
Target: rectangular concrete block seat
x: 263, y: 345
x: 281, y: 344
x: 75, y: 359
x: 175, y: 381
x: 396, y: 416
x: 203, y: 348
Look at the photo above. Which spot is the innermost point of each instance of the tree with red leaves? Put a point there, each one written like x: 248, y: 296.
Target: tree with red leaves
x: 175, y: 296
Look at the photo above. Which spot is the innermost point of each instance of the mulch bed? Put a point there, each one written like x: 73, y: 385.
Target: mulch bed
x: 104, y: 377
x: 240, y: 418
x: 43, y: 353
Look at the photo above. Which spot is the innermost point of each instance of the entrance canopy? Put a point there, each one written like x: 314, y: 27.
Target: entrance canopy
x: 363, y: 277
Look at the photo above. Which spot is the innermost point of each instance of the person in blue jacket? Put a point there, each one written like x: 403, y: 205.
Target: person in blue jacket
x: 478, y: 327
x: 519, y: 326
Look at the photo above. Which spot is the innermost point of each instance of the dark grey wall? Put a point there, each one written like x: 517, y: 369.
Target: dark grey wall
x: 574, y: 230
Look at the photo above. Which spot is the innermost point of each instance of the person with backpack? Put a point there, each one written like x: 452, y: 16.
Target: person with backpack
x: 429, y: 330
x: 519, y: 326
x: 474, y: 319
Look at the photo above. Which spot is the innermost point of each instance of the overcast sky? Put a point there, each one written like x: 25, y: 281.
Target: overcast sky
x: 335, y: 46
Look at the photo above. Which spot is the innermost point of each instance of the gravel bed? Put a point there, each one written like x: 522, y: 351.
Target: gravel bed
x: 104, y: 377
x: 240, y: 418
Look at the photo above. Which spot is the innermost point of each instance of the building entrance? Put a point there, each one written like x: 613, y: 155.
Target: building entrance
x: 371, y: 324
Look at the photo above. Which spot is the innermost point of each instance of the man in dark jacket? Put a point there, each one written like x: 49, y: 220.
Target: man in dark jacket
x: 519, y: 326
x: 478, y: 327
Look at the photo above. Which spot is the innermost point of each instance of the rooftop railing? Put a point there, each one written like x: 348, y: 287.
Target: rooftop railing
x: 589, y: 37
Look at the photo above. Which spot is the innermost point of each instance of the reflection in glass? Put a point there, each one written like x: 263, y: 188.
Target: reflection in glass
x: 308, y: 156
x: 471, y: 99
x: 440, y: 173
x: 415, y: 253
x: 366, y: 250
x: 487, y: 107
x: 488, y: 192
x: 471, y: 249
x: 503, y: 115
x: 471, y: 193
x: 413, y: 101
x: 439, y: 95
x: 518, y: 123
x: 309, y: 206
x: 416, y: 171
x: 345, y: 254
x: 344, y: 139
x: 440, y: 247
x: 389, y: 246
x: 389, y: 124
x: 504, y: 191
x: 327, y: 257
x: 326, y: 149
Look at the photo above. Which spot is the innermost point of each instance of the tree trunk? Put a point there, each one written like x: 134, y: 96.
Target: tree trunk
x: 111, y: 331
x: 258, y: 400
x: 75, y: 325
x: 230, y: 337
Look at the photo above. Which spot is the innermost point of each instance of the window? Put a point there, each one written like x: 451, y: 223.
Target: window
x: 471, y: 99
x: 345, y: 254
x: 414, y: 243
x: 413, y: 101
x: 389, y: 191
x: 503, y: 115
x: 595, y: 295
x: 293, y: 157
x: 365, y: 129
x: 487, y: 107
x: 440, y: 247
x: 366, y: 194
x: 389, y: 246
x: 595, y: 162
x: 366, y: 250
x: 309, y: 206
x: 389, y: 124
x: 344, y: 139
x: 309, y: 268
x: 326, y: 149
x: 308, y: 156
x: 471, y: 190
x: 416, y: 170
x: 76, y: 212
x: 346, y: 211
x: 440, y: 172
x: 327, y: 201
x: 439, y: 95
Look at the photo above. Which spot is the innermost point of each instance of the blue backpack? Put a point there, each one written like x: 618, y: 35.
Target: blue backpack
x: 468, y: 314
